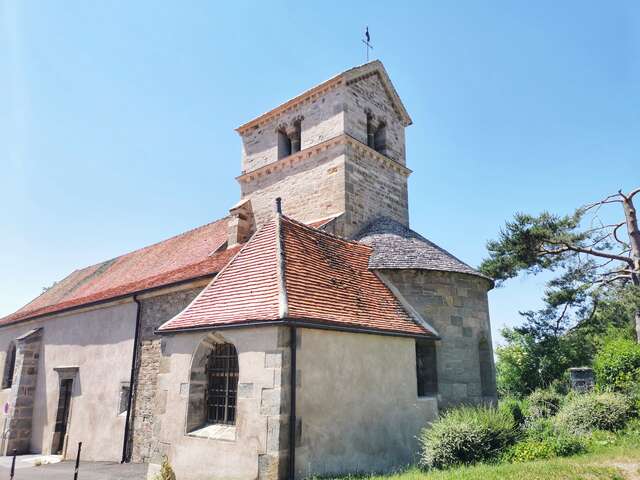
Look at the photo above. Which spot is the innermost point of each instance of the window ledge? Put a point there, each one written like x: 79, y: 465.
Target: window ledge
x: 428, y: 398
x: 215, y: 432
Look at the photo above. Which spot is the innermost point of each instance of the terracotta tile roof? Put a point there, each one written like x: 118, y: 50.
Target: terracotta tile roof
x: 396, y: 246
x: 289, y: 271
x: 189, y: 255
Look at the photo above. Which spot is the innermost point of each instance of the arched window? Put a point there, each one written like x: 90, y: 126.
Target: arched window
x: 380, y: 138
x: 284, y: 144
x: 222, y: 384
x: 9, y: 366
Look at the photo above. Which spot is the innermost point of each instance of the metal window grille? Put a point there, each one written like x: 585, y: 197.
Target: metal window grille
x: 426, y: 368
x: 222, y: 388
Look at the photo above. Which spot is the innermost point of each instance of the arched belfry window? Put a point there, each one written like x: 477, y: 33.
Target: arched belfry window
x: 380, y: 138
x: 222, y: 384
x: 9, y: 366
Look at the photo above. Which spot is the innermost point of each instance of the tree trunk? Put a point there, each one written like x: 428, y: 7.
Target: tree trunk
x: 634, y: 248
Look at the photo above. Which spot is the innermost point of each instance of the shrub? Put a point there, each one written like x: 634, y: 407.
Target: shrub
x: 544, y: 439
x: 617, y: 364
x: 594, y: 411
x: 466, y: 435
x: 544, y: 404
x: 563, y: 445
x: 516, y: 408
x: 166, y: 472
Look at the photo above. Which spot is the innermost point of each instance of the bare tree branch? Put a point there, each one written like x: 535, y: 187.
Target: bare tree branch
x: 606, y: 281
x: 615, y: 234
x: 630, y: 195
x: 608, y: 199
x: 597, y: 253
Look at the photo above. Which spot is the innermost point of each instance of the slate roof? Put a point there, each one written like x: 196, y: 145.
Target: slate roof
x: 196, y: 253
x: 396, y: 246
x: 292, y: 272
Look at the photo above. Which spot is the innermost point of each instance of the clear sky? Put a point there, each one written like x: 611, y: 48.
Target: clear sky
x: 117, y: 118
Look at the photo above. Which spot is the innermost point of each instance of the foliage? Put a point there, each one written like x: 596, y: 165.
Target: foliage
x: 519, y: 242
x: 517, y: 408
x: 531, y: 360
x: 617, y: 365
x: 166, y: 472
x: 466, y: 435
x: 526, y: 364
x: 544, y: 439
x: 596, y: 287
x: 563, y: 445
x: 543, y: 404
x: 594, y: 411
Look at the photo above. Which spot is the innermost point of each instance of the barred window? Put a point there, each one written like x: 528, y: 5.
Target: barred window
x: 222, y: 384
x: 426, y: 368
x: 9, y: 366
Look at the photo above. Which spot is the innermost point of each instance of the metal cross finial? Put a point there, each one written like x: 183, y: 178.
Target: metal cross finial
x: 367, y: 42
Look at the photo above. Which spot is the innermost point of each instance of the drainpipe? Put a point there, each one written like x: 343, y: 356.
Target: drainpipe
x: 127, y: 426
x: 292, y: 418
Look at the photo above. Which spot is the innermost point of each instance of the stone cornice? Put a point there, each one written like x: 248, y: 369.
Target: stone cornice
x: 347, y: 77
x: 296, y: 158
x: 306, y: 97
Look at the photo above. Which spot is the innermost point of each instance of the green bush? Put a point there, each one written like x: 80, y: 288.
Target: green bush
x: 543, y: 439
x: 594, y: 411
x: 466, y: 435
x: 544, y: 404
x: 617, y: 364
x: 516, y: 408
x: 563, y: 445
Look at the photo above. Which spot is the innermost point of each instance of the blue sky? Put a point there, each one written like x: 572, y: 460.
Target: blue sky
x: 117, y: 118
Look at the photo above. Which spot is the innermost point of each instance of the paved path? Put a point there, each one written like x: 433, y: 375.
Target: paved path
x: 64, y: 471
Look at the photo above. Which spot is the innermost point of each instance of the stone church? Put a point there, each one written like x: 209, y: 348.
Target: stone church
x: 309, y: 332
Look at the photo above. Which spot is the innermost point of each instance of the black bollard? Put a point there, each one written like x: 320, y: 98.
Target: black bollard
x: 13, y: 463
x: 75, y: 475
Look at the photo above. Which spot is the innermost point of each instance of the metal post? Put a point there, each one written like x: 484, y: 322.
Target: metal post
x: 13, y: 463
x: 75, y: 474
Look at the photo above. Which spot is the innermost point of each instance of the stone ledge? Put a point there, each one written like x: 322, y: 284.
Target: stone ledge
x: 216, y: 432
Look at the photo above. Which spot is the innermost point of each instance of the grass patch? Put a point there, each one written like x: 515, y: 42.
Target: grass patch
x: 613, y: 462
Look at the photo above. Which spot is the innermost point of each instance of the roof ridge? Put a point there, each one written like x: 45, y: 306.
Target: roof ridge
x: 325, y: 233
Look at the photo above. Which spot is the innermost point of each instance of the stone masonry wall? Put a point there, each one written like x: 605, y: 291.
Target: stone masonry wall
x: 256, y: 445
x: 322, y: 119
x: 368, y: 94
x: 311, y: 189
x: 21, y: 400
x: 456, y: 306
x: 372, y: 190
x: 147, y: 397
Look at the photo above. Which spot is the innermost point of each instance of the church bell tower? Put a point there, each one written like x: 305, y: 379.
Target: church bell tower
x: 335, y: 154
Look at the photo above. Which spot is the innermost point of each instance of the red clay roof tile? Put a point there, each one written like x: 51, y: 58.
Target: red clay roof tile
x: 192, y: 254
x: 326, y: 281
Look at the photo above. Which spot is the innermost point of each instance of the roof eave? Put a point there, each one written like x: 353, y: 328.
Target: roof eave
x: 298, y: 322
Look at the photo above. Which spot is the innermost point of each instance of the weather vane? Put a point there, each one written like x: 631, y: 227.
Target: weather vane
x: 367, y: 42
